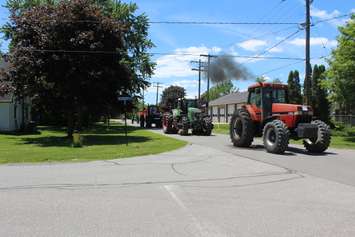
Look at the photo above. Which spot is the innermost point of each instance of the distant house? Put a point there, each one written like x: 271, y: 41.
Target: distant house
x: 13, y: 113
x: 222, y: 109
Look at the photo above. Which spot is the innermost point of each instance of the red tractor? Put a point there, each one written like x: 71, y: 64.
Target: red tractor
x: 150, y: 115
x: 268, y: 114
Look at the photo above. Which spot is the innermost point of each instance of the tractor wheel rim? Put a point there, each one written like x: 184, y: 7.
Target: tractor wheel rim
x: 271, y: 137
x: 237, y: 128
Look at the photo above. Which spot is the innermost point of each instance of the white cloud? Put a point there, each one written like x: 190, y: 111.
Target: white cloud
x: 187, y: 83
x: 276, y: 50
x: 252, y: 45
x: 325, y: 15
x: 178, y: 65
x: 315, y: 41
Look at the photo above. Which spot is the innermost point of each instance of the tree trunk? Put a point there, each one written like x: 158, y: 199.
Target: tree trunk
x: 70, y: 129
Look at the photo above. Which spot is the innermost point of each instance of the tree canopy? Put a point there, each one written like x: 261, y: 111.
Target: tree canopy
x: 319, y: 100
x: 170, y: 95
x: 76, y: 57
x: 261, y: 79
x: 294, y: 88
x: 341, y: 71
x: 220, y: 89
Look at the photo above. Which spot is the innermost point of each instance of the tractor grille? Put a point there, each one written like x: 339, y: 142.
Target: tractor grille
x: 304, y: 119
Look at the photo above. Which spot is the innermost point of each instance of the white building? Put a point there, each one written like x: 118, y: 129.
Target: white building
x: 13, y: 114
x: 222, y: 109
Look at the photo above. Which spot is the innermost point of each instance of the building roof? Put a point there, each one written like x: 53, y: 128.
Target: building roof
x: 233, y: 98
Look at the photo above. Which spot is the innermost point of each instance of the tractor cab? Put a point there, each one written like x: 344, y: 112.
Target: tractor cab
x: 185, y: 104
x: 262, y: 96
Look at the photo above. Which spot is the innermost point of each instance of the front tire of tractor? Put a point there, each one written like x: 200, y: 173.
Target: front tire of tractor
x: 276, y: 137
x: 141, y: 121
x: 322, y: 142
x: 167, y: 124
x: 184, y: 131
x: 241, y: 129
x: 207, y: 126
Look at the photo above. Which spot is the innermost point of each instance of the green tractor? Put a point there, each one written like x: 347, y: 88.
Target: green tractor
x: 187, y: 116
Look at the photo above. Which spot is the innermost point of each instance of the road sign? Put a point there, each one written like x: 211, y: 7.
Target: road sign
x: 124, y: 98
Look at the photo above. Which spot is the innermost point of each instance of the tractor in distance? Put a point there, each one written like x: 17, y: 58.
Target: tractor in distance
x: 149, y: 116
x: 187, y: 115
x: 267, y: 114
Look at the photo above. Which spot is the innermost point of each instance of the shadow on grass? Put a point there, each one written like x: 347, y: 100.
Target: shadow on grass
x: 349, y: 139
x: 96, y: 129
x: 88, y: 140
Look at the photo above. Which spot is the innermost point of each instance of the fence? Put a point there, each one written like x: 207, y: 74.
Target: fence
x: 345, y: 119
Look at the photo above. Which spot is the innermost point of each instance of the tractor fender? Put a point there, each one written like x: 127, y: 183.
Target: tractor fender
x: 269, y: 119
x: 254, y: 112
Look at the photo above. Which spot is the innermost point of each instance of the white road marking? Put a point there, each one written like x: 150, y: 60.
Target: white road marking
x: 200, y: 230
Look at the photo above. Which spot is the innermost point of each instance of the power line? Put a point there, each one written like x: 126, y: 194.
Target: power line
x: 152, y: 53
x: 331, y: 19
x: 260, y: 36
x: 279, y: 68
x: 264, y: 17
x: 181, y: 22
x: 278, y: 43
x: 288, y: 65
x: 275, y: 45
x: 222, y: 23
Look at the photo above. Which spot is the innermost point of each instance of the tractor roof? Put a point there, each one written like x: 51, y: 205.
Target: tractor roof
x: 268, y: 84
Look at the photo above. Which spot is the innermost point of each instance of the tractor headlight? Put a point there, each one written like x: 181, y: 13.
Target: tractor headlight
x: 304, y: 110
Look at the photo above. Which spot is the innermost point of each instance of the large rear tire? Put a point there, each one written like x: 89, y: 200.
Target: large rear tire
x: 241, y: 129
x: 276, y: 136
x: 322, y: 142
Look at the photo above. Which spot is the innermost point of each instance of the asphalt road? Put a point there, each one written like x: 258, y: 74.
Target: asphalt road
x: 335, y: 164
x: 207, y: 188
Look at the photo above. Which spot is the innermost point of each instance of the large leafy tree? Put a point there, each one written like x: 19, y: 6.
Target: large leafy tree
x: 76, y: 57
x: 341, y: 71
x: 220, y: 89
x: 170, y: 96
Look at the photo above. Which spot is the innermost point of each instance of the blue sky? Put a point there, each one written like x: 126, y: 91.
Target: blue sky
x: 233, y: 39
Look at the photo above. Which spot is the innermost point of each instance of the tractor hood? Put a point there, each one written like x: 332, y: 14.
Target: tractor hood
x: 285, y: 108
x: 194, y: 110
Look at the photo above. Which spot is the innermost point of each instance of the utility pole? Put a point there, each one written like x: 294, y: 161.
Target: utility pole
x: 209, y: 56
x: 199, y: 69
x: 157, y: 96
x: 307, y: 48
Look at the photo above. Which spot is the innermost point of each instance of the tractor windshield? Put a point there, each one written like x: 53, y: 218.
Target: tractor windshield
x: 279, y: 96
x: 153, y: 109
x: 191, y: 103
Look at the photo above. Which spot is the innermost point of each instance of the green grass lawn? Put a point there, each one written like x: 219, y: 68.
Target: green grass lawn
x: 221, y: 128
x: 99, y: 143
x: 340, y: 139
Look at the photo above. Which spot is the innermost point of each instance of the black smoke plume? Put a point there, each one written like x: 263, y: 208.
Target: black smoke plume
x: 225, y: 68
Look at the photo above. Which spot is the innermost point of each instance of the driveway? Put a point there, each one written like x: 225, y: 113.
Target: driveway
x: 207, y: 188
